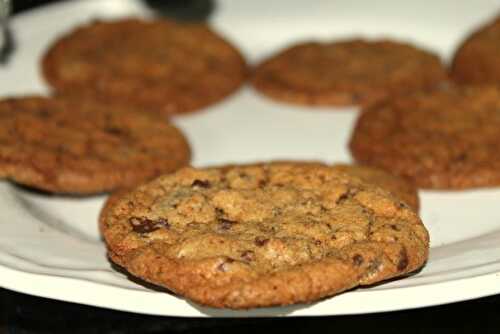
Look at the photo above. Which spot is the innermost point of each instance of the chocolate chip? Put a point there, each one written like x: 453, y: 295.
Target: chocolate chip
x: 373, y: 267
x: 403, y: 259
x: 403, y: 205
x: 225, y: 224
x: 223, y: 267
x: 164, y: 223
x: 342, y: 198
x: 145, y: 225
x: 262, y: 183
x: 142, y: 225
x: 248, y: 255
x: 356, y: 97
x: 43, y: 113
x: 395, y: 227
x: 200, y: 183
x: 260, y: 241
x: 219, y: 212
x: 357, y: 260
x: 60, y: 148
x: 345, y: 196
x: 243, y: 175
x: 461, y: 157
x: 317, y: 242
x: 114, y: 131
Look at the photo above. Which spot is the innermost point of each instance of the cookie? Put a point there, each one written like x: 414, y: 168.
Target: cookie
x: 67, y: 145
x: 477, y: 60
x: 112, y: 199
x: 255, y: 236
x: 399, y: 187
x: 441, y: 139
x: 348, y: 72
x: 158, y: 65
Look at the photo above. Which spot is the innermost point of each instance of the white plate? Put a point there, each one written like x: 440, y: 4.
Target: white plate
x: 50, y: 246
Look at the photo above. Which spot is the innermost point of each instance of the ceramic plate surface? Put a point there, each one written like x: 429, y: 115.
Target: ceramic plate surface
x: 50, y: 245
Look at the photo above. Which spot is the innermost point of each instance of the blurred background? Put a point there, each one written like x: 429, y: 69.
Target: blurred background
x: 25, y: 314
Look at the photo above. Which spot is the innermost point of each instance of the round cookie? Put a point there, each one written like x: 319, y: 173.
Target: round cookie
x: 442, y: 139
x: 398, y: 186
x: 477, y: 60
x: 157, y: 65
x: 263, y: 235
x: 346, y: 72
x: 67, y: 145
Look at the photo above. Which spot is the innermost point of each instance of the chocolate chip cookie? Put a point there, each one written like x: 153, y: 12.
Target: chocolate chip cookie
x: 399, y: 187
x: 442, y: 139
x: 254, y: 236
x: 348, y: 72
x: 477, y: 60
x: 158, y: 65
x: 67, y: 145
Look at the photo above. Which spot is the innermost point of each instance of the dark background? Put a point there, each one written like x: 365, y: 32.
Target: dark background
x: 20, y: 5
x: 23, y: 314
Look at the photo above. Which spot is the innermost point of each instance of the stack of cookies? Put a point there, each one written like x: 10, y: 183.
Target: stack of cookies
x: 263, y: 234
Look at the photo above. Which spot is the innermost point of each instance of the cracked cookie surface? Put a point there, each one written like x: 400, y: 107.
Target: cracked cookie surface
x: 158, y: 65
x: 399, y: 187
x: 442, y: 139
x: 67, y: 145
x: 346, y: 72
x: 254, y: 236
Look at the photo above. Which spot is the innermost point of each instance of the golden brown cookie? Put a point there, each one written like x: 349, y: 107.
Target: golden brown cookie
x: 67, y: 145
x: 346, y: 72
x: 398, y: 186
x: 158, y: 65
x: 443, y: 139
x: 112, y: 199
x: 264, y: 235
x: 477, y: 60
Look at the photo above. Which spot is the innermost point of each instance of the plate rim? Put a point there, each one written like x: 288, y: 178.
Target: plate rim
x: 490, y: 281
